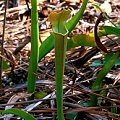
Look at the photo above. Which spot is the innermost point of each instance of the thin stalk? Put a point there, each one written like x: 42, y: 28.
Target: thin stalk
x: 61, y: 30
x: 34, y: 55
x: 58, y: 20
x: 60, y: 53
x: 2, y: 43
x: 97, y: 6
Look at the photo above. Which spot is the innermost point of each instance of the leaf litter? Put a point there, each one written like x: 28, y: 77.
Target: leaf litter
x: 79, y: 76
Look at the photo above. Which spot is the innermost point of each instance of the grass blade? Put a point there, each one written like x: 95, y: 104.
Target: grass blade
x: 98, y: 82
x: 35, y: 44
x: 20, y: 113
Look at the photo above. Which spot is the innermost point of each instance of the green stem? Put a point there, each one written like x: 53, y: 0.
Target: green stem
x: 60, y: 53
x: 58, y: 21
x: 35, y: 44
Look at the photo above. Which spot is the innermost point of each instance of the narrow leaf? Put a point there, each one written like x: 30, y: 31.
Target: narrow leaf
x: 81, y: 40
x: 73, y: 22
x: 75, y: 41
x: 35, y: 44
x: 112, y: 30
x: 20, y: 113
x: 47, y: 46
x: 103, y: 62
x: 98, y: 82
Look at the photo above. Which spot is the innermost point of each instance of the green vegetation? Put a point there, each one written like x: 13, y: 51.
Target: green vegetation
x: 62, y: 25
x: 98, y: 82
x: 60, y: 39
x: 61, y: 29
x: 19, y: 112
x: 35, y: 44
x: 58, y: 21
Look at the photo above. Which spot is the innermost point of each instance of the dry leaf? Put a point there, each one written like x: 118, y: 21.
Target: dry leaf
x: 106, y: 7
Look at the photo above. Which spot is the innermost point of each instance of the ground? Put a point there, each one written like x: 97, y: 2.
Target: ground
x: 81, y: 68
